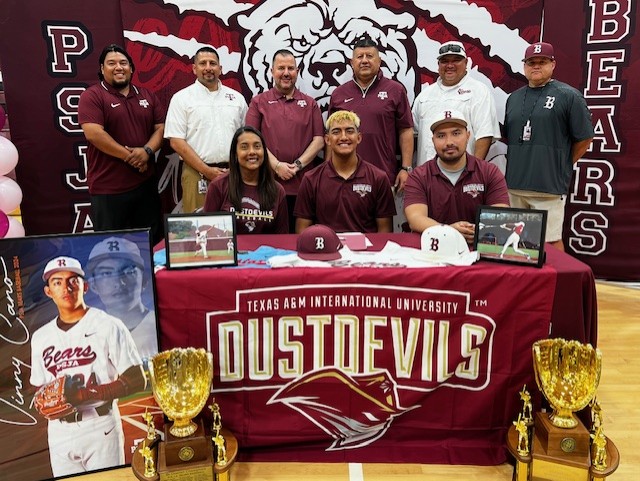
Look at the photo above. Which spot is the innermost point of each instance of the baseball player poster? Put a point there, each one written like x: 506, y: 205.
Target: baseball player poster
x: 507, y: 234
x: 77, y: 327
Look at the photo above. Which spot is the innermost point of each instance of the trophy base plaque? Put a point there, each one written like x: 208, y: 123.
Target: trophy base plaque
x: 187, y: 459
x: 568, y: 443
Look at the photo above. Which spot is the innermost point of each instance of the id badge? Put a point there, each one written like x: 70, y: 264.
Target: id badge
x: 526, y: 132
x: 202, y: 186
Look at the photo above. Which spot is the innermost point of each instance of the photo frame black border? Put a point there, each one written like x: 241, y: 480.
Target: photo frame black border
x: 512, y: 215
x: 200, y: 219
x: 23, y: 260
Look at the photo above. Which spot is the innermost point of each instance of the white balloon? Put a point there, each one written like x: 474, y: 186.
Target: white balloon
x: 16, y: 229
x: 10, y: 195
x: 8, y: 155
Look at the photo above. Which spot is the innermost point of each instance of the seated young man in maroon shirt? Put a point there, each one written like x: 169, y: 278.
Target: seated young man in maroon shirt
x: 345, y: 193
x: 449, y: 188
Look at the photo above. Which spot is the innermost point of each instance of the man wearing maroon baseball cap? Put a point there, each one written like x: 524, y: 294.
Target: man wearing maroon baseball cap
x: 540, y: 49
x: 548, y: 129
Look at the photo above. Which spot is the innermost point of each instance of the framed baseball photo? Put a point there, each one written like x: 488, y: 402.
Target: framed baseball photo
x: 201, y: 240
x: 79, y: 325
x: 506, y: 234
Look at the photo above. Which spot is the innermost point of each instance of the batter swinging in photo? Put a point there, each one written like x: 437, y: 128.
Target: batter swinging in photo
x: 514, y: 239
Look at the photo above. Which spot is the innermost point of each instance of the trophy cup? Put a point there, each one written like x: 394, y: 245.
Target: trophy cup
x: 567, y: 374
x: 181, y: 381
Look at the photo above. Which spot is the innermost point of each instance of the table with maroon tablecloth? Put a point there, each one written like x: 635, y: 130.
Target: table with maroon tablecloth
x: 419, y: 365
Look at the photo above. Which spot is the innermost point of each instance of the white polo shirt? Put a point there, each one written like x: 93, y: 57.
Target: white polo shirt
x: 206, y: 120
x: 470, y: 97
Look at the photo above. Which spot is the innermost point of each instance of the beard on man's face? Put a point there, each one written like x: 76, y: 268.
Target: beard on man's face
x: 119, y: 84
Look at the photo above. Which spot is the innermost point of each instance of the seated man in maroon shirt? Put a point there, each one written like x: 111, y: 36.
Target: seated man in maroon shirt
x: 345, y: 193
x: 449, y: 188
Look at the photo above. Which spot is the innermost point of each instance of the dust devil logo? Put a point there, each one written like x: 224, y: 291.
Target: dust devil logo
x: 353, y: 410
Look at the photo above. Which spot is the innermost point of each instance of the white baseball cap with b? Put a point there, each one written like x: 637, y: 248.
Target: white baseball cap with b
x: 442, y: 244
x: 62, y: 264
x: 449, y: 116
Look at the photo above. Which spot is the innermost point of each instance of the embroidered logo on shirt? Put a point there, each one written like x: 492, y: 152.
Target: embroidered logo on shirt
x: 230, y: 96
x: 362, y: 189
x: 302, y: 103
x: 144, y: 103
x: 383, y: 95
x: 549, y: 103
x: 473, y: 189
x: 273, y: 101
x: 348, y: 100
x: 113, y: 106
x: 463, y: 91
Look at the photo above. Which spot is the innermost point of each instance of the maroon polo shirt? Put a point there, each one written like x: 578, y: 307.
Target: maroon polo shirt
x: 130, y: 121
x: 481, y: 183
x: 384, y: 110
x: 253, y: 219
x: 288, y: 126
x: 346, y: 205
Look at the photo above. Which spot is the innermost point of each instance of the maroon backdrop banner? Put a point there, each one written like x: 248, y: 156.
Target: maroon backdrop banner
x: 49, y: 51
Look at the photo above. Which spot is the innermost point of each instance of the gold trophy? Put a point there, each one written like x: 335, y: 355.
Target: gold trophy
x: 181, y: 381
x: 568, y: 374
x: 225, y: 445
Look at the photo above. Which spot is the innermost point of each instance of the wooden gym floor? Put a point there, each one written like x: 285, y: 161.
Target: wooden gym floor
x: 619, y: 395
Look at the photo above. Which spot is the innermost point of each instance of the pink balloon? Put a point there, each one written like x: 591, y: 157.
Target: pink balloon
x: 16, y: 229
x: 3, y: 117
x: 8, y: 155
x: 4, y: 224
x: 10, y: 194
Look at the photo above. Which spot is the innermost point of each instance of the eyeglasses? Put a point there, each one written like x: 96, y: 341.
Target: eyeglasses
x: 129, y: 272
x: 450, y: 48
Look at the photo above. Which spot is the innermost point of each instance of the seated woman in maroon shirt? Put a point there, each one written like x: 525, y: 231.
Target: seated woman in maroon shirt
x: 249, y: 189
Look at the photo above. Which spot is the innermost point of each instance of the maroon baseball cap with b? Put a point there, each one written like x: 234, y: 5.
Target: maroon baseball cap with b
x: 539, y: 49
x: 319, y: 243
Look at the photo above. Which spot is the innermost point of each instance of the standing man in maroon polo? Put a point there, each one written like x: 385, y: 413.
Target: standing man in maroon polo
x: 346, y: 193
x: 384, y: 110
x: 291, y: 123
x: 123, y: 124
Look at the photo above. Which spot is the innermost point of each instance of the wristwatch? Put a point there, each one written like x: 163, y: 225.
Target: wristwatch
x: 148, y: 150
x: 407, y: 169
x: 298, y: 164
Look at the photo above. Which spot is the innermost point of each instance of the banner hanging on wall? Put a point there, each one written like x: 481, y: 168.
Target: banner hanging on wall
x: 594, y: 55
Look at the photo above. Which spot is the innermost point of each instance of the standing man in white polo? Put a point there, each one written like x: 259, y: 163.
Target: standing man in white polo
x: 201, y: 121
x: 455, y: 90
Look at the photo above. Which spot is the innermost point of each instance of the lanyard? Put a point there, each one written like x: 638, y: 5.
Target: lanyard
x: 525, y: 136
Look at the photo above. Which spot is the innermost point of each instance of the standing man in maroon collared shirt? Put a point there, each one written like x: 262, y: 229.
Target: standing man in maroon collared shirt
x: 123, y: 124
x: 291, y: 123
x: 384, y: 109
